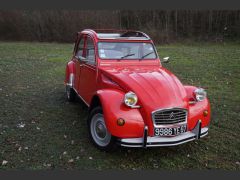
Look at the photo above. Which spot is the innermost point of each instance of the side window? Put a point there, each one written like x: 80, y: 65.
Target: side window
x: 80, y: 50
x: 90, y: 53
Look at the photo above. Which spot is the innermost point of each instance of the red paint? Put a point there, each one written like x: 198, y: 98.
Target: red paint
x: 155, y: 86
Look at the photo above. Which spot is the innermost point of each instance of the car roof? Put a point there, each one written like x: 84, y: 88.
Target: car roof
x: 116, y: 34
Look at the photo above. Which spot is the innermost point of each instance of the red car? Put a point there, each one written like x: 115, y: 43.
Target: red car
x: 133, y: 100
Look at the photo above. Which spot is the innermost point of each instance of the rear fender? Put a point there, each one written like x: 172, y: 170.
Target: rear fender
x: 70, y: 69
x: 114, y: 108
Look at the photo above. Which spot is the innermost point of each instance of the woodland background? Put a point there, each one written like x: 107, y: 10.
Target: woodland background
x: 163, y: 26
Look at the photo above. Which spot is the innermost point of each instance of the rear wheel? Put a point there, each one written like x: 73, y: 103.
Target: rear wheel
x: 98, y: 131
x: 70, y: 93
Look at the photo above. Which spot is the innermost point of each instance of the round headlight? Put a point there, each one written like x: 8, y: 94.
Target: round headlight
x: 130, y: 99
x: 200, y: 94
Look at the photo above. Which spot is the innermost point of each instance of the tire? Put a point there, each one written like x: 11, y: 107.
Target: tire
x: 98, y: 132
x: 70, y: 93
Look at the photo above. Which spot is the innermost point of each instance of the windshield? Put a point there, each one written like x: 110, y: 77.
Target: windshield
x: 126, y: 50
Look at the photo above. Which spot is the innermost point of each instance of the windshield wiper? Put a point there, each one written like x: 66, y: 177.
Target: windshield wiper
x: 127, y: 55
x: 147, y: 54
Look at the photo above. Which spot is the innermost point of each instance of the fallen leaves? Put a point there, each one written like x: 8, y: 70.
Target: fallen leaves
x: 21, y: 125
x: 155, y: 165
x: 71, y: 160
x: 47, y: 165
x: 74, y: 122
x: 20, y: 149
x: 4, y: 162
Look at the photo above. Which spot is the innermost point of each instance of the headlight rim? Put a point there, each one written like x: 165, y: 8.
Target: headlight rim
x: 200, y: 92
x: 130, y: 93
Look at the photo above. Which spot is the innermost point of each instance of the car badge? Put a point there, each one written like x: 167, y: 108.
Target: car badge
x: 172, y: 116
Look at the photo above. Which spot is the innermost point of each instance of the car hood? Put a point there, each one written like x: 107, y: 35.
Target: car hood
x: 156, y: 87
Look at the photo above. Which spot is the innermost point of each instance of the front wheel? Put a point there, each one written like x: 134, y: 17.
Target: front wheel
x: 98, y: 132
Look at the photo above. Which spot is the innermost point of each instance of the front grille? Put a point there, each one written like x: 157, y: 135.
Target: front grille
x: 169, y: 116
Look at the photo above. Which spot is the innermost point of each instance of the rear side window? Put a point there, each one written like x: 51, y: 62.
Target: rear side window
x: 81, y: 48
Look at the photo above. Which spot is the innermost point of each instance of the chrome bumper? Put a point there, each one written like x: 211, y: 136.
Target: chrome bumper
x: 147, y: 141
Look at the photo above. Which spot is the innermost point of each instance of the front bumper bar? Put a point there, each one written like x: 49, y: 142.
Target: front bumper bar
x: 148, y: 141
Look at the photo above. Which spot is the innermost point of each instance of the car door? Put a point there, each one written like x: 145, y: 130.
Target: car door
x: 80, y: 52
x: 87, y: 83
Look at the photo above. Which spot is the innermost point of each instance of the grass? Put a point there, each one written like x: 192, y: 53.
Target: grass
x: 54, y: 133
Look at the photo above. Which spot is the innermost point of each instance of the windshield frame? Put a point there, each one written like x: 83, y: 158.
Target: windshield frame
x: 154, y: 49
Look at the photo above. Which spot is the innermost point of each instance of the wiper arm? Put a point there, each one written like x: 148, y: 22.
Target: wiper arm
x: 127, y: 55
x: 147, y: 54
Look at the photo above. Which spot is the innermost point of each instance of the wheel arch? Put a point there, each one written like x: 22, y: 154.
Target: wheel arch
x: 111, y: 101
x: 96, y: 101
x: 70, y: 69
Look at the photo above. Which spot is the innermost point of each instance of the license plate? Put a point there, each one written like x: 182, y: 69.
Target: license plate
x: 170, y: 131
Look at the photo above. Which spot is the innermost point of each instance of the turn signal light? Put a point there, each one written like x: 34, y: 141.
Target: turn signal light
x: 120, y: 121
x: 205, y: 113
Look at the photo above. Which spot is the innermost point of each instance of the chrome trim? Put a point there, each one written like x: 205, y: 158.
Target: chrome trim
x: 81, y: 97
x: 169, y: 125
x: 192, y: 102
x: 134, y: 107
x: 71, y: 80
x: 165, y: 141
x: 145, y: 136
x: 200, y: 89
x: 197, y: 129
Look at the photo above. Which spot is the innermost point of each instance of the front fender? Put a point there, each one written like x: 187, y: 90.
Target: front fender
x: 196, y: 110
x: 196, y: 113
x: 114, y: 108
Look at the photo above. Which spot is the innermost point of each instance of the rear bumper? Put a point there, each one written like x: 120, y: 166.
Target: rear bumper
x: 148, y: 141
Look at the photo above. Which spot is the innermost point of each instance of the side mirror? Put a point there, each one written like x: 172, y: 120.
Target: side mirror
x: 166, y: 59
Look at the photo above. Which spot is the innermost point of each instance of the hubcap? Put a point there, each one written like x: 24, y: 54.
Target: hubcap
x: 99, y: 131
